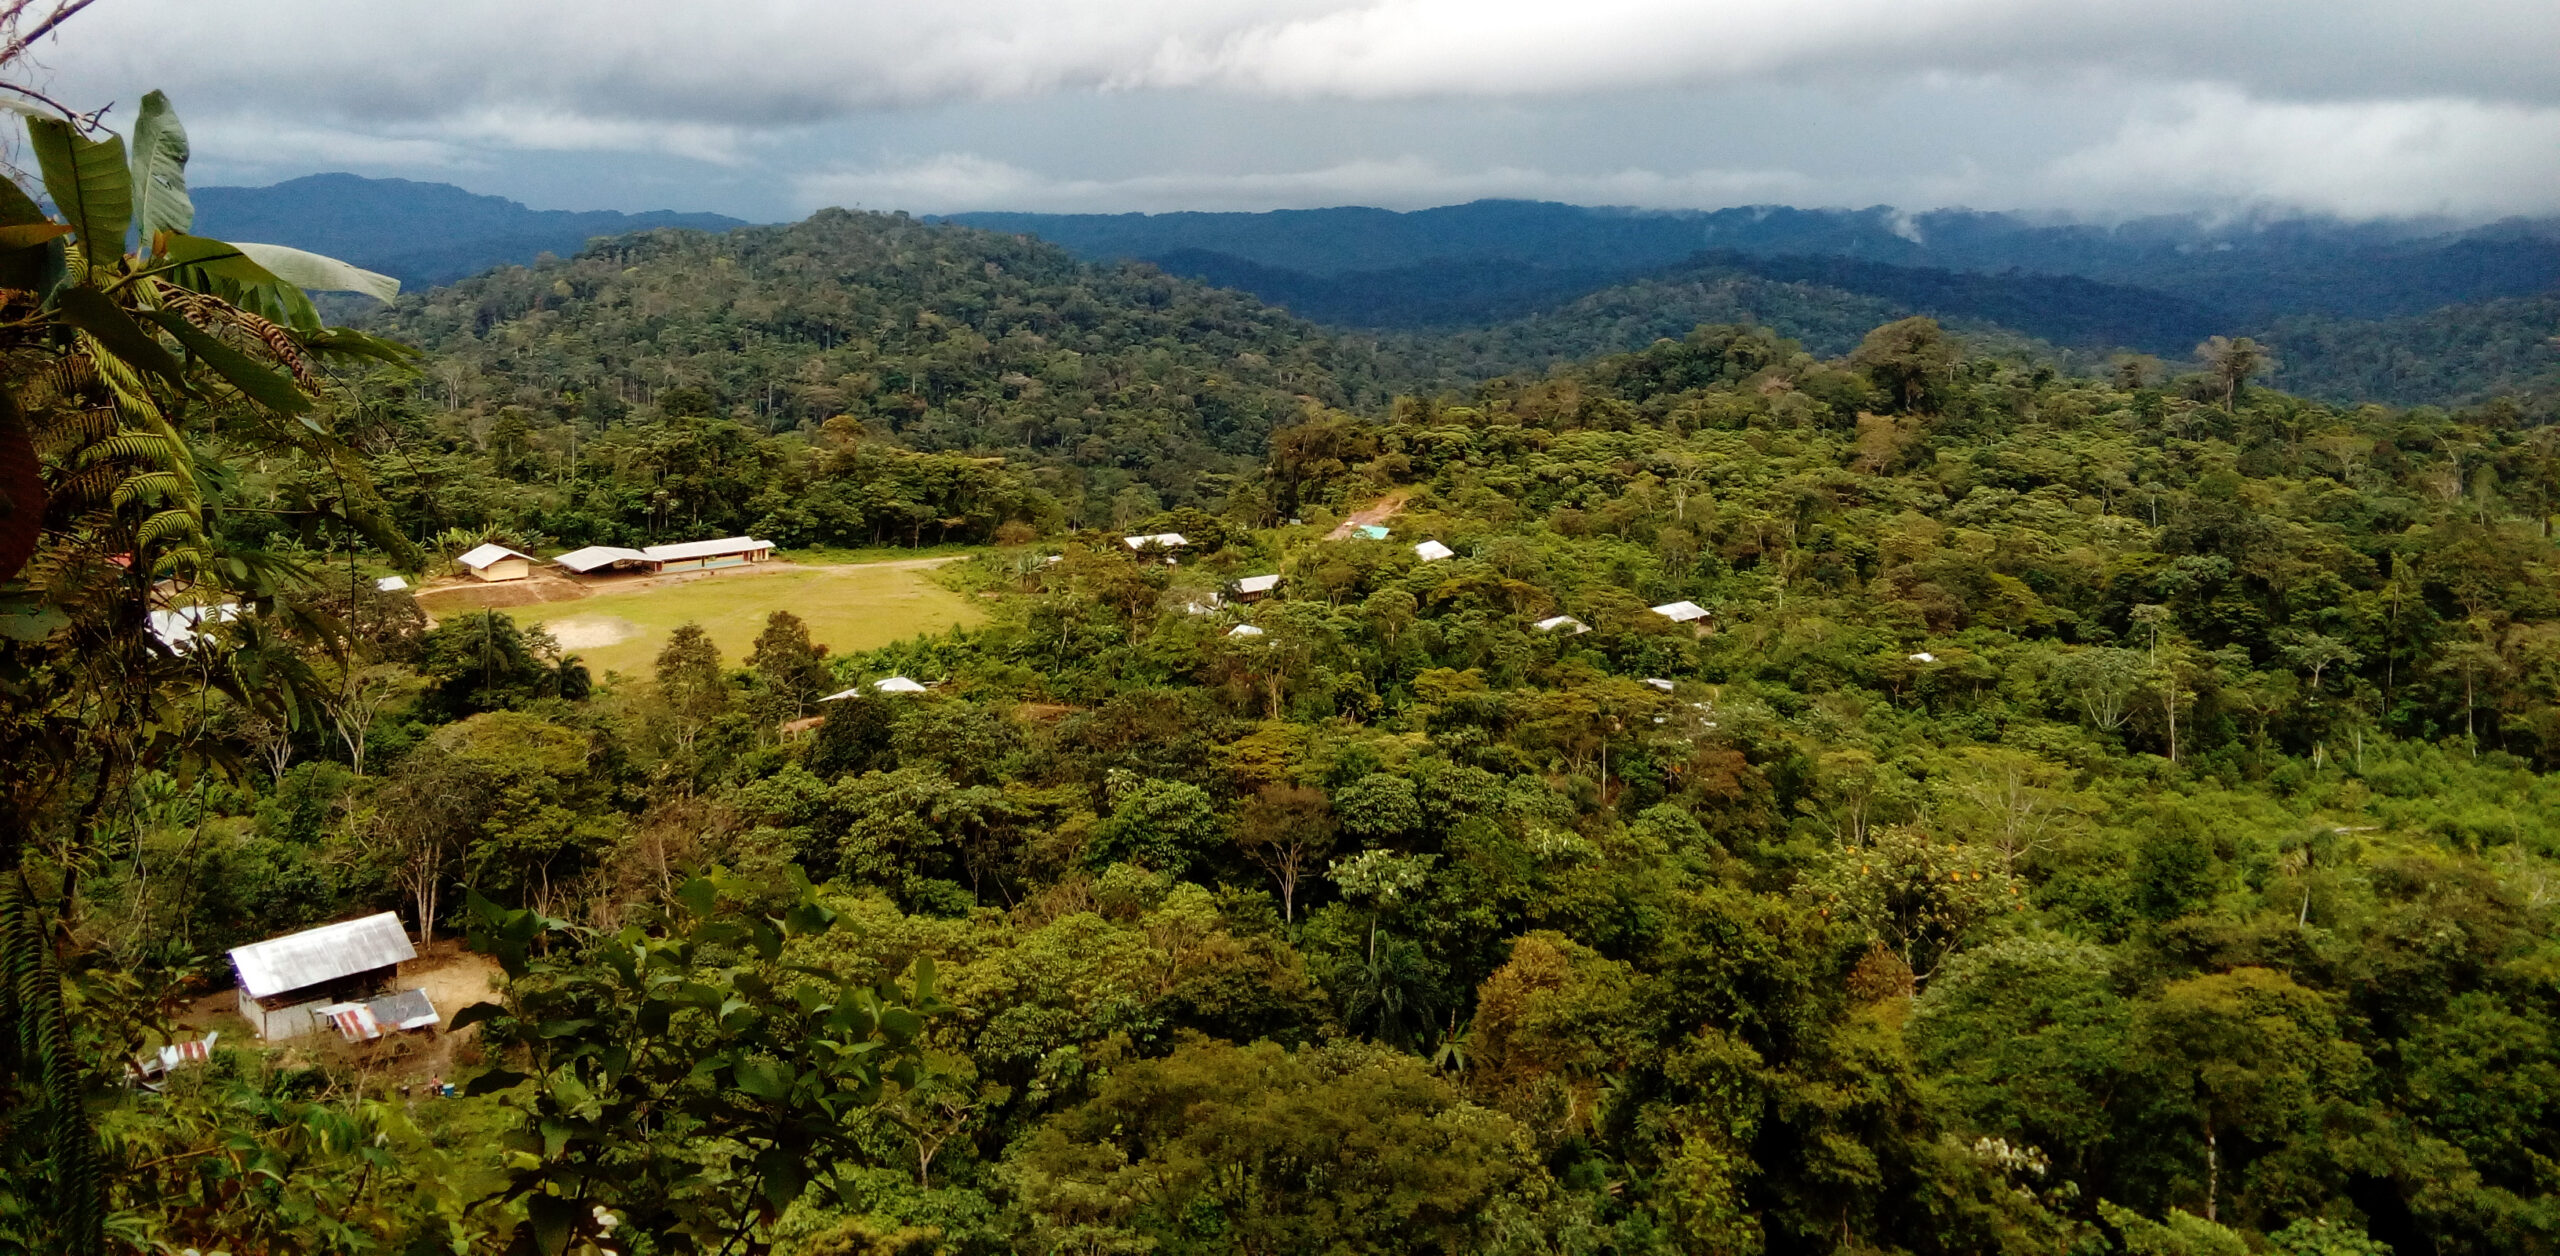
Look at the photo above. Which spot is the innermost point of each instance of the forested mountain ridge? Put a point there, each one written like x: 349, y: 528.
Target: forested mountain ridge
x: 1095, y: 382
x: 2406, y: 313
x: 2256, y: 269
x: 419, y: 233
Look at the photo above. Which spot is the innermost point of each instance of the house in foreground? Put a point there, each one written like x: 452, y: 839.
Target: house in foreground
x: 289, y: 984
x: 494, y: 563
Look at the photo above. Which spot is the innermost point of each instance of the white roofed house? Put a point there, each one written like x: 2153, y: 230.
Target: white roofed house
x: 1699, y: 618
x: 595, y: 558
x: 287, y: 982
x: 726, y: 551
x: 1165, y: 545
x: 1256, y: 588
x: 1433, y: 551
x: 496, y: 562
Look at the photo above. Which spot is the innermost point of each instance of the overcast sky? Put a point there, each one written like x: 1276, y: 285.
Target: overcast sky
x: 770, y: 108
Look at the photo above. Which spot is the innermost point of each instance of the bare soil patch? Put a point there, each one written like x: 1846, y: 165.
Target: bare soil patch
x: 1378, y: 512
x: 588, y: 632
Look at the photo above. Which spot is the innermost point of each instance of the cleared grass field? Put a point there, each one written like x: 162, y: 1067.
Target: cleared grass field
x: 856, y: 607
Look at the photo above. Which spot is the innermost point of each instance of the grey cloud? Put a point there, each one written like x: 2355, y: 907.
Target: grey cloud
x: 2349, y: 106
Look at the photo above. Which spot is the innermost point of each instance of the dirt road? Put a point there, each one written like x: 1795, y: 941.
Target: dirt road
x: 1383, y: 509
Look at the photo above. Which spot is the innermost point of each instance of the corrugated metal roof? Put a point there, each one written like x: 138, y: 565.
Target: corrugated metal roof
x: 594, y: 556
x: 1168, y: 540
x: 391, y: 584
x: 313, y: 956
x: 485, y: 555
x: 1681, y: 612
x: 1433, y: 551
x: 899, y: 684
x: 1562, y: 621
x: 1257, y: 584
x: 408, y: 1009
x: 682, y: 550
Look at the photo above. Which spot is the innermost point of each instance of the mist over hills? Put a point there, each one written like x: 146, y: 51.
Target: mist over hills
x: 2252, y: 269
x: 420, y: 233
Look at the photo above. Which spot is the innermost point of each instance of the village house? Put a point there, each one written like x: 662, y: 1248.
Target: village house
x: 727, y: 551
x: 494, y: 563
x: 287, y: 983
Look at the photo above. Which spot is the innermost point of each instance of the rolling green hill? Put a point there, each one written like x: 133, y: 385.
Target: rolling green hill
x: 1099, y: 378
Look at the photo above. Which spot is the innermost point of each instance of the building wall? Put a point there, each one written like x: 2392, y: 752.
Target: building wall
x: 504, y: 569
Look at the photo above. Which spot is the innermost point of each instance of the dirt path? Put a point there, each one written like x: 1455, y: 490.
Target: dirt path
x: 1383, y: 509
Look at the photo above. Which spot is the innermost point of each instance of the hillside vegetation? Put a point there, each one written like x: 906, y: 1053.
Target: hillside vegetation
x: 669, y: 356
x: 2093, y: 819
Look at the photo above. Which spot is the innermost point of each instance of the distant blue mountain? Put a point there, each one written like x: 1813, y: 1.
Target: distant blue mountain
x: 421, y: 233
x: 2248, y: 270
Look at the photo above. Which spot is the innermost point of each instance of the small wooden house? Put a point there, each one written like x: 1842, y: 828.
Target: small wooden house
x: 496, y: 562
x: 286, y: 981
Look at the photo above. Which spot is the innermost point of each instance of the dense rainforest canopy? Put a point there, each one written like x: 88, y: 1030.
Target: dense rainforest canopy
x: 2094, y: 814
x: 1091, y: 381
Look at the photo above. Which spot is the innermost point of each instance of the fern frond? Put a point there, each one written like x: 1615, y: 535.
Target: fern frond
x: 167, y: 524
x: 157, y: 487
x: 150, y: 449
x: 42, y: 1029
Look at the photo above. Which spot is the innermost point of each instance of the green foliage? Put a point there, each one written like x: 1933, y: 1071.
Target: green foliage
x: 2096, y: 814
x: 675, y: 1081
x: 1225, y: 1148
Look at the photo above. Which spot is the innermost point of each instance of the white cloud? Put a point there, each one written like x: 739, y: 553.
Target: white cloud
x: 2346, y: 106
x: 763, y: 62
x: 960, y: 182
x: 2458, y: 158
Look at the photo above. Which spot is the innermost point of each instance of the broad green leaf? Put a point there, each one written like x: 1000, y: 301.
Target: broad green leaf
x: 765, y: 1079
x: 553, y: 1220
x: 218, y: 258
x: 320, y: 274
x: 900, y: 1024
x: 475, y: 1014
x: 17, y: 209
x: 28, y: 235
x: 37, y: 268
x: 344, y: 342
x: 924, y: 979
x: 256, y: 382
x: 93, y: 312
x: 783, y: 1176
x: 698, y: 896
x: 494, y: 1080
x: 88, y: 181
x: 160, y: 200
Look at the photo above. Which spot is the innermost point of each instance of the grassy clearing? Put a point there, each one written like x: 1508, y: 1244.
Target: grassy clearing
x: 846, y: 607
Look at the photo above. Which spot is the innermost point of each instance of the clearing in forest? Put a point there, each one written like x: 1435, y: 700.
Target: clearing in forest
x: 1374, y: 514
x: 855, y: 606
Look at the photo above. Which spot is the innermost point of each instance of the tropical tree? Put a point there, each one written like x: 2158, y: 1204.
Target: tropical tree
x: 136, y: 360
